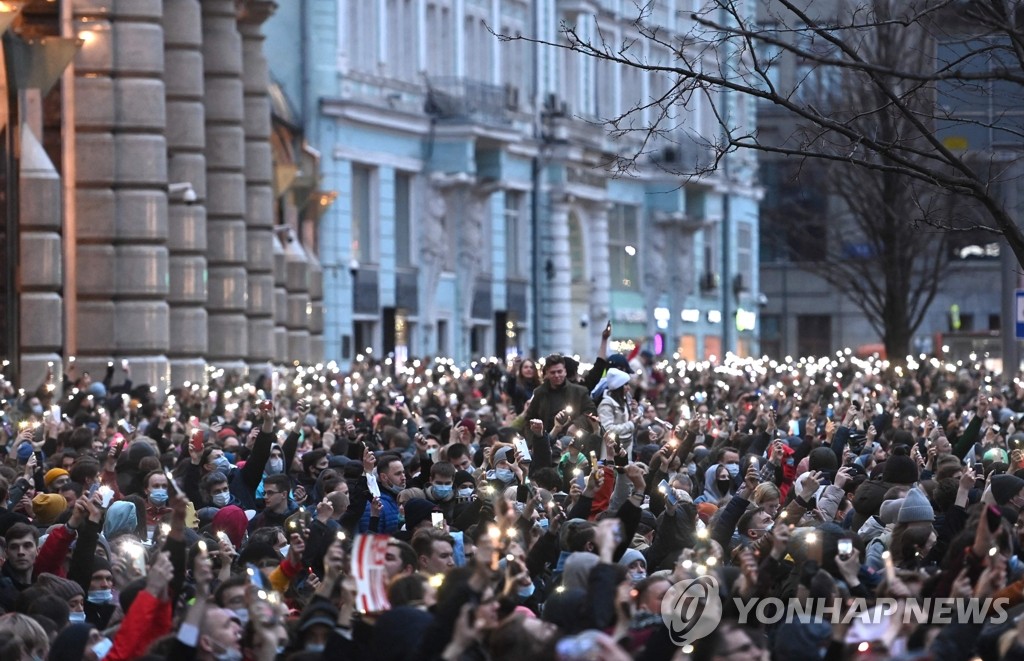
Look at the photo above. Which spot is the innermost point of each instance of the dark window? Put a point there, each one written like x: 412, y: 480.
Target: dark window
x: 814, y: 334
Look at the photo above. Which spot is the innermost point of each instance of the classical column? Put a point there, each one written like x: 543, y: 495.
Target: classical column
x: 186, y: 165
x: 600, y: 274
x: 41, y: 309
x: 259, y: 191
x: 316, y: 310
x: 556, y: 285
x: 297, y: 286
x: 280, y: 302
x: 227, y: 326
x: 122, y: 189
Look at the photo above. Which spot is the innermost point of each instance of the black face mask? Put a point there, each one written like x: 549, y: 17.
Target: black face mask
x: 723, y: 485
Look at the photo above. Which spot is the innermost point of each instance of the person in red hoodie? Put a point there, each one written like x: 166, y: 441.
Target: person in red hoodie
x: 232, y: 521
x: 150, y: 615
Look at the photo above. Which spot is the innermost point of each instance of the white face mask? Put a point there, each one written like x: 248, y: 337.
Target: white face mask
x: 102, y: 648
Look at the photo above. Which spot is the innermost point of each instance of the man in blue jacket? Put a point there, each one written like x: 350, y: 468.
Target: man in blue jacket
x: 391, y: 479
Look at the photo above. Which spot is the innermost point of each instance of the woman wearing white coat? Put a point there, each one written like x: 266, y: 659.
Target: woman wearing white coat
x: 614, y: 412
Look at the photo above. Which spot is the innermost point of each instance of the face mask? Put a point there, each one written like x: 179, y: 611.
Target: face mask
x: 37, y: 409
x: 222, y: 499
x: 223, y: 465
x: 280, y: 650
x: 526, y: 592
x: 243, y: 615
x: 102, y: 648
x: 543, y: 523
x: 393, y: 488
x: 443, y: 491
x: 315, y: 647
x: 75, y: 617
x: 230, y: 654
x: 158, y: 496
x: 504, y: 475
x: 637, y: 576
x: 275, y: 466
x: 245, y: 426
x: 230, y: 456
x: 723, y: 486
x: 466, y: 493
x: 100, y: 596
x: 734, y: 469
x: 471, y: 469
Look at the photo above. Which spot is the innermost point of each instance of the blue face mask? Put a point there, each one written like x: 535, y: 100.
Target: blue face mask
x: 75, y: 617
x: 734, y: 469
x: 543, y: 523
x: 222, y: 499
x: 442, y: 491
x: 158, y: 497
x: 275, y: 466
x: 223, y: 464
x: 466, y: 493
x: 102, y: 648
x: 504, y: 475
x: 37, y: 409
x: 526, y: 592
x: 230, y: 456
x: 100, y: 596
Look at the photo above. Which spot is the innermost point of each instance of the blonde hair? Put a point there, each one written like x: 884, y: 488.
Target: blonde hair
x: 766, y: 491
x: 28, y: 631
x: 405, y: 495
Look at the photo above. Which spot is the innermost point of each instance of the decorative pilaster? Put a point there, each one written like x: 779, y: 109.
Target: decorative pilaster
x: 600, y: 273
x: 122, y: 189
x: 186, y: 166
x: 226, y: 206
x: 556, y: 283
x: 41, y: 310
x: 259, y: 192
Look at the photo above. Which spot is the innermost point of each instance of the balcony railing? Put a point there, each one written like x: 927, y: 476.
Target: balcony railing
x: 467, y: 100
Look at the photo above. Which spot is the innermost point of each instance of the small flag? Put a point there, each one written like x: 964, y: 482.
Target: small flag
x: 368, y: 554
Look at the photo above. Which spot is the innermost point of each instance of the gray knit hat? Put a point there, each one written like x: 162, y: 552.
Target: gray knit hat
x: 915, y: 508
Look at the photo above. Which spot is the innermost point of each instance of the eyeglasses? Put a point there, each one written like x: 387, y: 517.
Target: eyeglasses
x: 271, y: 493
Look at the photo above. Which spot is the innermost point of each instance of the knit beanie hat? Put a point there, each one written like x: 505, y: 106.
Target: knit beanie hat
x: 706, y: 510
x: 24, y: 452
x: 1005, y: 487
x: 631, y: 556
x: 889, y: 510
x: 52, y: 475
x: 70, y: 643
x: 915, y: 508
x: 900, y: 469
x: 59, y: 587
x: 822, y: 459
x: 417, y: 510
x: 47, y: 507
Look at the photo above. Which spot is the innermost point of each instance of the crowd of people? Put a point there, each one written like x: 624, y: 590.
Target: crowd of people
x: 519, y: 510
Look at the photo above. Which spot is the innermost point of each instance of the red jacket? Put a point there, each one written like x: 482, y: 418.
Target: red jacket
x: 148, y: 619
x: 54, y: 552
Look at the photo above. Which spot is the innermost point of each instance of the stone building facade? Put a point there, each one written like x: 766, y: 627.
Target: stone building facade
x: 148, y: 221
x: 475, y: 213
